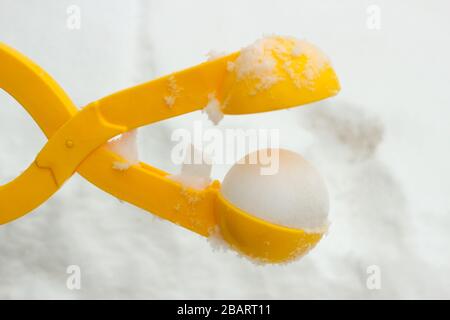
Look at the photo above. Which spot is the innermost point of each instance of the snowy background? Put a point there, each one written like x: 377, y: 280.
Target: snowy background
x: 382, y: 145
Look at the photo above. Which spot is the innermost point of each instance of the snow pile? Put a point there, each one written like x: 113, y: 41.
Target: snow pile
x: 316, y: 62
x: 295, y: 196
x: 196, y: 170
x: 213, y: 109
x: 256, y: 62
x: 125, y: 146
x: 259, y: 62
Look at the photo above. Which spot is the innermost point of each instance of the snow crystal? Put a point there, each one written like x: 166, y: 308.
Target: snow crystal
x: 126, y: 146
x: 295, y: 196
x: 213, y: 55
x: 213, y: 109
x: 174, y: 91
x: 196, y: 170
x: 169, y: 100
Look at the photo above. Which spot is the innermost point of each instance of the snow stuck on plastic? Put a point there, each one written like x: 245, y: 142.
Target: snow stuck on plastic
x: 316, y: 62
x: 125, y: 146
x: 213, y: 109
x: 266, y: 62
x: 195, y: 171
x: 216, y: 240
x: 259, y: 62
x: 213, y: 55
x: 174, y: 91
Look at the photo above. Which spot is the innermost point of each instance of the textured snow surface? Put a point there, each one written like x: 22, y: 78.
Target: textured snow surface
x: 380, y: 146
x: 295, y: 195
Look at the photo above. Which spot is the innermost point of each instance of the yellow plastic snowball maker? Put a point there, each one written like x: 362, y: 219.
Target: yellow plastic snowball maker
x: 267, y: 76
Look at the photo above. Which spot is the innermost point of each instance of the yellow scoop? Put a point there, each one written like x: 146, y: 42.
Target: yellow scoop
x: 270, y: 75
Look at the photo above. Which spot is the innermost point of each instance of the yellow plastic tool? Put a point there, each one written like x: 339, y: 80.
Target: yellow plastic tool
x: 77, y: 144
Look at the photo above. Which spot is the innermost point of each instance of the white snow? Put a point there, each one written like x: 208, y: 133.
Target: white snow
x: 214, y: 54
x: 257, y: 62
x: 170, y: 101
x: 380, y: 145
x: 195, y: 171
x: 315, y: 63
x: 174, y: 91
x: 295, y: 196
x: 121, y: 166
x: 216, y: 240
x: 127, y: 147
x: 213, y: 109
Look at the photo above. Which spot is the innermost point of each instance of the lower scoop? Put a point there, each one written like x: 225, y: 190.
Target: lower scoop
x: 274, y: 217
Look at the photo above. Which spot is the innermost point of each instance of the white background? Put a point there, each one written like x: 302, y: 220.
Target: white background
x: 382, y: 145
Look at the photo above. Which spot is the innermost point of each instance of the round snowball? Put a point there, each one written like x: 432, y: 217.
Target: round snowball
x: 281, y: 187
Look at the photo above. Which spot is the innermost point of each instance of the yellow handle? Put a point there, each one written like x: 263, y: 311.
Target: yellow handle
x: 34, y: 89
x: 76, y: 139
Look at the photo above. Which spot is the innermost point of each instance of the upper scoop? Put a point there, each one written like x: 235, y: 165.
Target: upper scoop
x: 277, y: 73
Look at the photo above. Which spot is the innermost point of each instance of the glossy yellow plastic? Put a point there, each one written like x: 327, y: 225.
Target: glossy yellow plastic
x: 77, y: 144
